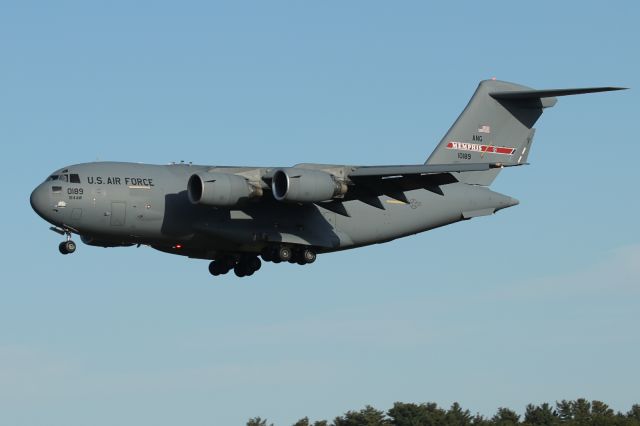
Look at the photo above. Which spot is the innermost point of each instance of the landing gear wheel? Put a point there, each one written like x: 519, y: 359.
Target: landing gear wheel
x: 220, y: 266
x: 284, y: 253
x: 214, y: 268
x: 67, y: 247
x: 309, y: 256
x: 267, y: 254
x: 254, y: 264
x: 240, y: 270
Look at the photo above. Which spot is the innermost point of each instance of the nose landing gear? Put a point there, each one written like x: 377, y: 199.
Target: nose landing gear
x: 68, y: 246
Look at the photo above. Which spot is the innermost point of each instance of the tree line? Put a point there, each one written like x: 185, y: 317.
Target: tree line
x: 580, y: 412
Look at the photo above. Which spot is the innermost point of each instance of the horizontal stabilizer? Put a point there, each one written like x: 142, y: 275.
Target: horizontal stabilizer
x: 537, y: 94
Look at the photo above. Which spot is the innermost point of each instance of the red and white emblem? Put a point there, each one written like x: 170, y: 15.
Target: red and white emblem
x: 485, y: 149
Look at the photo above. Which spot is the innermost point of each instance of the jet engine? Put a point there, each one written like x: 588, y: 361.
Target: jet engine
x: 305, y: 186
x: 220, y: 189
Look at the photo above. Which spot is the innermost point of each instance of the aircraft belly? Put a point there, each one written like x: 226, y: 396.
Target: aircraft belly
x: 261, y: 225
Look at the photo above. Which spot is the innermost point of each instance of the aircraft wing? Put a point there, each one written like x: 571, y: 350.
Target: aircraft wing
x: 418, y: 169
x: 370, y: 182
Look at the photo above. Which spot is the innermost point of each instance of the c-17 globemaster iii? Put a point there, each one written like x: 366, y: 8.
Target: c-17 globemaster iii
x: 235, y: 215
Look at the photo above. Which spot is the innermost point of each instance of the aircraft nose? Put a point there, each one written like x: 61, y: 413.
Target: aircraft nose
x: 39, y: 200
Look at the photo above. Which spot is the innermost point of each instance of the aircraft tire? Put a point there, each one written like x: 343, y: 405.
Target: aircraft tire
x: 267, y: 255
x: 62, y: 247
x: 214, y: 269
x: 284, y: 253
x: 70, y: 246
x: 308, y: 255
x: 240, y: 270
x: 254, y: 264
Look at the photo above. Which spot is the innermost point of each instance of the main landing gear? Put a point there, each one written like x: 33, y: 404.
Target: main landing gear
x: 299, y: 255
x: 247, y: 264
x: 243, y: 266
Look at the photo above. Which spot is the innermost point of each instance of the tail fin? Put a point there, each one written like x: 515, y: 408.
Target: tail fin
x: 497, y: 127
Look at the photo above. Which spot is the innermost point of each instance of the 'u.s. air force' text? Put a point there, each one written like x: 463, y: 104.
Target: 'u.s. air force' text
x: 115, y: 180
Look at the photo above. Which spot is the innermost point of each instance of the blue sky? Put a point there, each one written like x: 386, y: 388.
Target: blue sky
x: 534, y: 304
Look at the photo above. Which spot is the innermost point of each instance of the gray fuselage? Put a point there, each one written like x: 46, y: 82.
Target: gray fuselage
x: 113, y: 203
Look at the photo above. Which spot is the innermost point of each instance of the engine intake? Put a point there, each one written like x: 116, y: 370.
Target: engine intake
x: 220, y: 189
x: 305, y: 186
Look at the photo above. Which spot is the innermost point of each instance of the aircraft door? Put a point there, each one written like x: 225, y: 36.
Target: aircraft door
x: 118, y: 213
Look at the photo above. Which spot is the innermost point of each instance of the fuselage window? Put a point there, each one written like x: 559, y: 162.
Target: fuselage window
x: 56, y: 189
x: 74, y: 178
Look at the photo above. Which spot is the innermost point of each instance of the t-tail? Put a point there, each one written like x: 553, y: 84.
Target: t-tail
x: 497, y: 127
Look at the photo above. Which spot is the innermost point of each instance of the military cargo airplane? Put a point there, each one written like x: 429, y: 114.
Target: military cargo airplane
x: 233, y: 216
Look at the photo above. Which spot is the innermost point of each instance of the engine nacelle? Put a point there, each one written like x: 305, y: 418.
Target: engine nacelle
x: 305, y: 186
x: 220, y: 189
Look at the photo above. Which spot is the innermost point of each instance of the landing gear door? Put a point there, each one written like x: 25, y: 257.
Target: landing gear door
x: 118, y: 213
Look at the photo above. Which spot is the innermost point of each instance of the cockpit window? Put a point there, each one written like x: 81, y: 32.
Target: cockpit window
x: 73, y: 178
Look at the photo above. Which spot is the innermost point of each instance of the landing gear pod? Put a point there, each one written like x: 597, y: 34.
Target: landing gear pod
x: 220, y: 189
x: 305, y: 186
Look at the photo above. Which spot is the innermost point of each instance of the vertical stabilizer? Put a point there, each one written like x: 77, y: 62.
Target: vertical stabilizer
x: 490, y: 131
x: 497, y: 127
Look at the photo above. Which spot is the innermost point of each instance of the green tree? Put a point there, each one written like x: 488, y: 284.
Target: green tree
x: 602, y: 415
x: 368, y: 416
x: 305, y: 422
x: 429, y: 414
x: 302, y: 422
x: 257, y: 421
x: 480, y: 420
x: 505, y: 417
x: 540, y: 415
x: 634, y: 413
x: 456, y: 416
x: 564, y: 409
x: 582, y: 411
